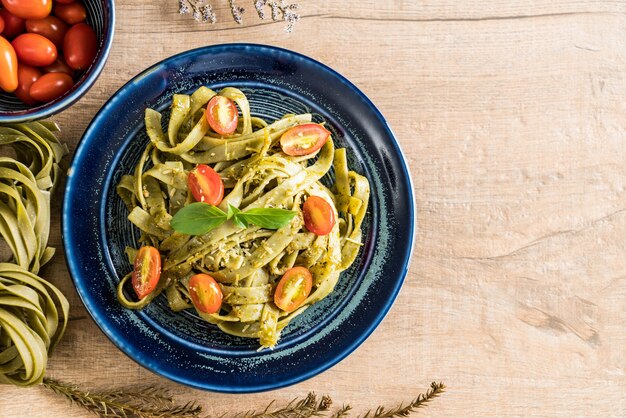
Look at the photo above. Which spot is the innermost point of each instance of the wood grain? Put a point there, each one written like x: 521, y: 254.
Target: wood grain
x: 513, y: 118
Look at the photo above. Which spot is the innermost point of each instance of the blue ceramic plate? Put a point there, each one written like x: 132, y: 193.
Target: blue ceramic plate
x: 180, y: 346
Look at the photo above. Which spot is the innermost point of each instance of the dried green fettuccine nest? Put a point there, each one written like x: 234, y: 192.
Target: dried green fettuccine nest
x: 33, y: 313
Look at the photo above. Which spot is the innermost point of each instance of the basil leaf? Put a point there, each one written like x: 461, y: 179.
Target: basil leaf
x: 232, y: 211
x: 269, y: 218
x: 197, y: 219
x: 240, y: 221
x: 234, y: 215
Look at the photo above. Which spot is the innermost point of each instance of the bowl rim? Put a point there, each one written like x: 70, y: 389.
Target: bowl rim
x: 73, y: 265
x: 74, y: 95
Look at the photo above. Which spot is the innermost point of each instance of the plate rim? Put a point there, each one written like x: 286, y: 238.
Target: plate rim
x: 74, y: 270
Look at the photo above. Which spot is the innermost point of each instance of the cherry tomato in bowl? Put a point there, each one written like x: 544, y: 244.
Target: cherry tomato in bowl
x: 205, y: 185
x: 13, y: 25
x: 8, y: 66
x: 1, y: 24
x: 33, y: 49
x: 59, y: 66
x: 80, y: 46
x: 304, y: 139
x: 222, y: 115
x: 293, y: 289
x: 51, y: 86
x: 50, y: 27
x: 71, y: 13
x: 146, y: 271
x: 319, y: 216
x: 205, y: 293
x: 26, y: 75
x: 28, y: 9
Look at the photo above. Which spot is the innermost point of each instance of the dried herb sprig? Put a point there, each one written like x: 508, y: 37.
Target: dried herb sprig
x: 144, y: 402
x: 157, y: 403
x: 402, y: 410
x: 342, y: 412
x: 202, y: 11
x: 300, y: 408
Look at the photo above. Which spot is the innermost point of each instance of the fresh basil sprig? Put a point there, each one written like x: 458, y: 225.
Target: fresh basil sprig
x: 199, y: 218
x: 235, y: 214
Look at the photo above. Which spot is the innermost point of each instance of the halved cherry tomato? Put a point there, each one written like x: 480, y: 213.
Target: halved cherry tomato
x: 26, y: 76
x: 1, y: 24
x: 304, y: 139
x: 147, y: 271
x: 205, y: 185
x: 50, y: 86
x: 319, y: 216
x: 205, y: 293
x: 50, y: 27
x: 28, y: 9
x: 294, y: 287
x: 33, y: 49
x: 80, y: 46
x: 13, y: 25
x: 71, y: 13
x: 8, y: 66
x: 222, y: 115
x: 59, y: 66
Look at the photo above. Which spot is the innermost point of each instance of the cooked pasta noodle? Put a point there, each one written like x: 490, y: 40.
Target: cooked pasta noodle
x: 33, y: 313
x: 246, y: 262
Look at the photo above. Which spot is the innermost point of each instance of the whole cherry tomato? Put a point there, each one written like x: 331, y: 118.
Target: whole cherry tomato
x: 50, y: 86
x: 80, y: 46
x: 8, y: 66
x: 71, y: 13
x: 13, y: 25
x: 28, y: 9
x: 293, y: 289
x: 205, y: 185
x: 26, y: 76
x: 50, y: 27
x: 147, y: 271
x: 304, y: 139
x: 205, y: 293
x: 221, y: 113
x: 33, y: 49
x: 318, y: 215
x: 1, y: 24
x: 59, y: 66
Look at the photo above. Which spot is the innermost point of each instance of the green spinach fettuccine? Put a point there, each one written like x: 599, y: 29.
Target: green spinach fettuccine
x: 33, y: 312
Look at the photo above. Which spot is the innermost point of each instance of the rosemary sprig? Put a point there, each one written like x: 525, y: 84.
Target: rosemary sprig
x: 300, y: 408
x: 146, y: 402
x: 422, y: 399
x: 342, y: 412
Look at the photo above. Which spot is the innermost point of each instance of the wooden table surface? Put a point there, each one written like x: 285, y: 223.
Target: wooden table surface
x: 513, y: 117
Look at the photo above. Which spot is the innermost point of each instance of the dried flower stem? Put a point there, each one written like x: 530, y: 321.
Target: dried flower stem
x: 199, y: 9
x: 202, y: 11
x: 236, y: 11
